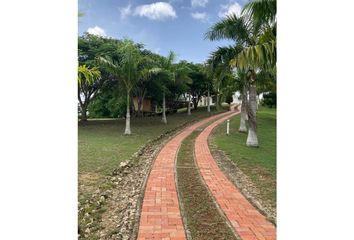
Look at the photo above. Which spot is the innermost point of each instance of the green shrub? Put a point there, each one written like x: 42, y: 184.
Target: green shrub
x: 269, y: 99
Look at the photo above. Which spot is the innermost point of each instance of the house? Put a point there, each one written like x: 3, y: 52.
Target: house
x: 204, y: 101
x: 146, y: 104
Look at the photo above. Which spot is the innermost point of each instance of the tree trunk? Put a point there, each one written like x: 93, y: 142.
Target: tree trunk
x: 208, y: 101
x: 252, y: 140
x: 139, y: 106
x: 195, y: 102
x: 218, y: 105
x: 83, y: 105
x: 127, y: 119
x: 164, y: 119
x: 189, y: 104
x: 83, y: 117
x: 243, y: 117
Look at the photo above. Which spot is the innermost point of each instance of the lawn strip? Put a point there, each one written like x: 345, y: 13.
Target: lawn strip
x: 201, y: 216
x: 254, y: 169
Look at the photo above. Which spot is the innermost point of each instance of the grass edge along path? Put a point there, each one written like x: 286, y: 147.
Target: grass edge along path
x: 102, y: 146
x: 244, y: 217
x: 201, y: 216
x: 160, y: 214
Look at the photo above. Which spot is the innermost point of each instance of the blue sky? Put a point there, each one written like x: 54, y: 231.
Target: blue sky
x: 177, y: 25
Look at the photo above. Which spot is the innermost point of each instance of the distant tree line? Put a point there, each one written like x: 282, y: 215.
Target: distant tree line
x: 113, y: 73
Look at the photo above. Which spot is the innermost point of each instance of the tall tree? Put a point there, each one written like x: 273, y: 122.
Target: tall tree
x: 241, y: 79
x: 167, y: 67
x: 222, y: 71
x: 258, y: 52
x: 200, y: 83
x: 262, y: 15
x: 171, y: 76
x: 126, y: 69
x: 89, y: 47
x: 149, y: 61
x: 88, y: 86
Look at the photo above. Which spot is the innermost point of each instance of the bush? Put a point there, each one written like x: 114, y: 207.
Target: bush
x: 229, y: 99
x: 107, y: 106
x: 269, y: 99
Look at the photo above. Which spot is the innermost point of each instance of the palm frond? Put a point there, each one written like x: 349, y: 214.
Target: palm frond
x: 260, y: 55
x: 261, y: 11
x: 232, y: 27
x: 88, y: 75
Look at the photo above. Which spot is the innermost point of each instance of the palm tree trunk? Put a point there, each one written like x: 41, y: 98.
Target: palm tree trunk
x: 83, y: 117
x: 164, y: 119
x: 139, y: 106
x: 189, y: 104
x: 244, y: 117
x: 127, y: 119
x: 208, y: 101
x: 252, y: 140
x: 195, y: 102
x: 218, y: 105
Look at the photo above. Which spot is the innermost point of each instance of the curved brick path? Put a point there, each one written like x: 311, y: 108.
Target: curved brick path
x: 246, y: 220
x: 160, y: 214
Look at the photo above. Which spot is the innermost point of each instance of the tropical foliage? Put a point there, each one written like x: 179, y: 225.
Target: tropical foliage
x: 252, y: 57
x: 113, y: 74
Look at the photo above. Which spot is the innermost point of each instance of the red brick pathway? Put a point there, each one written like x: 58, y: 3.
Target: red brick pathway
x: 246, y: 220
x: 160, y: 214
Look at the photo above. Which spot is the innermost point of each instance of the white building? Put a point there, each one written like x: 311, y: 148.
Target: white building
x: 204, y: 101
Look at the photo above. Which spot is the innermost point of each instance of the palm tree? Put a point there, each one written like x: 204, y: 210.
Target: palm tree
x: 167, y: 66
x: 149, y: 62
x: 127, y: 70
x: 252, y: 139
x: 261, y: 11
x: 169, y: 73
x: 241, y: 79
x: 249, y: 35
x: 220, y: 68
x: 87, y: 75
x: 209, y: 75
x: 87, y: 81
x: 217, y: 74
x: 262, y: 14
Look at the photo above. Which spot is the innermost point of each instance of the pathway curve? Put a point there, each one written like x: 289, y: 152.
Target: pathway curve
x: 160, y: 214
x: 246, y: 220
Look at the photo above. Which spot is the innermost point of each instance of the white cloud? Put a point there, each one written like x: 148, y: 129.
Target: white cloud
x: 156, y: 11
x: 199, y: 3
x: 97, y: 31
x: 202, y: 16
x: 124, y: 12
x: 230, y: 8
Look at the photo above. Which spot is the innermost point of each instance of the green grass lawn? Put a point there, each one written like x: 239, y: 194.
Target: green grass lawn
x: 257, y: 163
x: 102, y: 145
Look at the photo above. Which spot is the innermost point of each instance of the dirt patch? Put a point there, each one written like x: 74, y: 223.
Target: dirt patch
x: 87, y: 181
x: 244, y: 183
x: 201, y: 217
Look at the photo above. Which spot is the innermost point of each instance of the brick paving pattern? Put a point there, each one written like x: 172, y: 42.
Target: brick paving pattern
x: 246, y: 220
x: 160, y: 214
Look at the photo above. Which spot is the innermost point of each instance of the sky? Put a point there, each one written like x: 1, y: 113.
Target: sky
x: 162, y: 26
